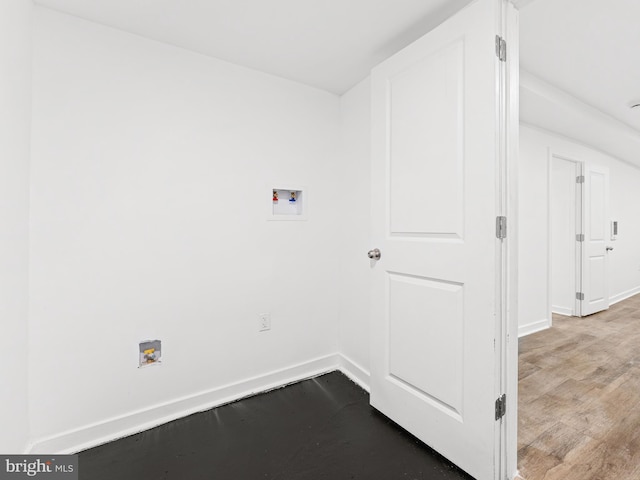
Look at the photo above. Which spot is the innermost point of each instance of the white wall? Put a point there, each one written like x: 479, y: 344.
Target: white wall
x: 624, y: 261
x: 149, y: 177
x: 356, y: 272
x: 15, y: 113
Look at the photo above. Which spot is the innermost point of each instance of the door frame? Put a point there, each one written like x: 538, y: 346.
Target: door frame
x: 579, y: 203
x: 508, y: 436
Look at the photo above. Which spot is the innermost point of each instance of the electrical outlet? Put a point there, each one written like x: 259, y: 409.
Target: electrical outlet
x: 264, y: 322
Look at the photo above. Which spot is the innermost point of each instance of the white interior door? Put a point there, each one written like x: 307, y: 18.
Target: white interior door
x: 595, y: 263
x: 435, y: 148
x: 566, y: 224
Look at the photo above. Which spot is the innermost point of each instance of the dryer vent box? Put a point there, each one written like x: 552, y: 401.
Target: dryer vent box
x: 150, y: 353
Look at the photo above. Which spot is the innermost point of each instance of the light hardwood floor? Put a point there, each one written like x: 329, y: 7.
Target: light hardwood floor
x: 579, y: 397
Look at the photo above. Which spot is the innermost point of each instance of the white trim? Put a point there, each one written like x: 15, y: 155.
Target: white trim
x: 105, y: 431
x: 549, y: 243
x: 520, y: 4
x: 533, y: 327
x: 99, y: 433
x: 624, y: 295
x: 509, y: 335
x: 567, y: 312
x: 355, y: 372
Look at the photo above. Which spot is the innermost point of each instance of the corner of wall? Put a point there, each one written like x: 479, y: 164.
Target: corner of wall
x: 355, y: 182
x: 15, y: 121
x: 355, y: 372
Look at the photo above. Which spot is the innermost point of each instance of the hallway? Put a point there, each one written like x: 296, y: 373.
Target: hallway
x: 579, y: 397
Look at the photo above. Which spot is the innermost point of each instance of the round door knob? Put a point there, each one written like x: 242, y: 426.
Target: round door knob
x: 374, y: 254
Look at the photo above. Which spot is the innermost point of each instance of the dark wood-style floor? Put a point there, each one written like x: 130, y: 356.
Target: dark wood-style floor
x: 321, y: 428
x: 579, y: 397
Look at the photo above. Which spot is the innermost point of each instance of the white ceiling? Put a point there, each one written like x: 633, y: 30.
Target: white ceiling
x: 329, y: 44
x: 588, y: 48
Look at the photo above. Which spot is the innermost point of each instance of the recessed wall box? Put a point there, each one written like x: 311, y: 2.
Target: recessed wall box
x: 150, y: 353
x: 287, y: 202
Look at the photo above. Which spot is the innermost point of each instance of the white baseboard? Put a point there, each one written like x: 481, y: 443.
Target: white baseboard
x: 567, y: 312
x: 111, y: 429
x: 355, y: 372
x: 624, y: 295
x: 533, y: 327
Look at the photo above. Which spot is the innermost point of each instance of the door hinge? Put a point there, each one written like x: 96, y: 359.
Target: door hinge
x: 501, y: 406
x: 501, y: 48
x: 580, y: 179
x: 579, y: 296
x: 501, y: 227
x: 580, y: 237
